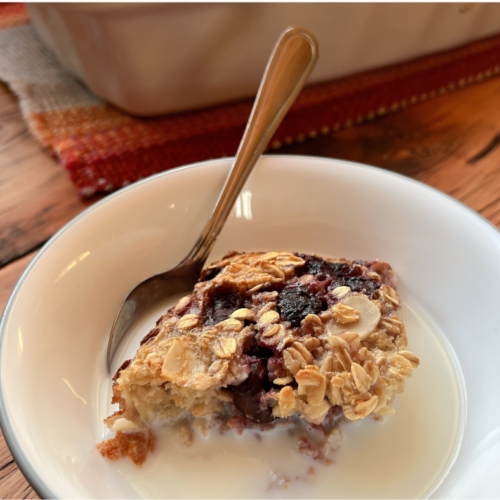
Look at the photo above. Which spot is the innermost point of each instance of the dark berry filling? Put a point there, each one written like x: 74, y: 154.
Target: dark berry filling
x: 210, y: 273
x: 316, y: 266
x: 124, y: 365
x: 275, y: 368
x: 221, y: 307
x: 295, y: 303
x: 250, y: 396
x: 151, y: 335
x: 257, y: 350
x: 319, y: 286
x: 329, y: 275
x: 358, y: 284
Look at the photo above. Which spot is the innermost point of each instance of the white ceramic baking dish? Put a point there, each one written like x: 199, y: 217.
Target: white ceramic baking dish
x: 158, y: 58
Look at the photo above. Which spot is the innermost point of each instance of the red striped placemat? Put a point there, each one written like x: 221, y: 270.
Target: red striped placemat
x: 104, y: 149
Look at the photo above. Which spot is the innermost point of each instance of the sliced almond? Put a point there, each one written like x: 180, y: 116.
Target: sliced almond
x: 180, y: 364
x: 368, y: 321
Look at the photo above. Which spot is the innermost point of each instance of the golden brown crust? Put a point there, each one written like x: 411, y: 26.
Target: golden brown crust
x: 135, y: 445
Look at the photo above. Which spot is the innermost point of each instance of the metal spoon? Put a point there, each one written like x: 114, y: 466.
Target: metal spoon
x: 291, y: 62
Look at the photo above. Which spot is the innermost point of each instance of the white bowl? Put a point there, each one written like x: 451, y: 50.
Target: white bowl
x: 54, y: 329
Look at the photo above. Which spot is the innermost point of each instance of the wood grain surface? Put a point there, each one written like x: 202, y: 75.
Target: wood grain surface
x: 36, y: 196
x: 451, y: 143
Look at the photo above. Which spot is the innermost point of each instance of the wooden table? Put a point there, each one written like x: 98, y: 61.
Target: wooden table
x: 450, y: 143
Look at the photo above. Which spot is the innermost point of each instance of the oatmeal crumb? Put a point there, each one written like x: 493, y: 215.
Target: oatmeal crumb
x: 278, y: 480
x: 185, y: 433
x: 135, y: 445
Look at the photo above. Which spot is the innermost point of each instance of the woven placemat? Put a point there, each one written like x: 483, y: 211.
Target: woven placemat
x: 104, y: 149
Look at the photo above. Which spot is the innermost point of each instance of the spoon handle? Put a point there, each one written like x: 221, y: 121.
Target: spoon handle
x: 291, y: 62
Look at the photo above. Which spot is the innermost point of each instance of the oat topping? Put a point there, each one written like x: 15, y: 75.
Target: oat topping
x: 342, y: 313
x: 266, y: 337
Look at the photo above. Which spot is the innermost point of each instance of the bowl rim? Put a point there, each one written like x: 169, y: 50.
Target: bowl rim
x: 19, y: 455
